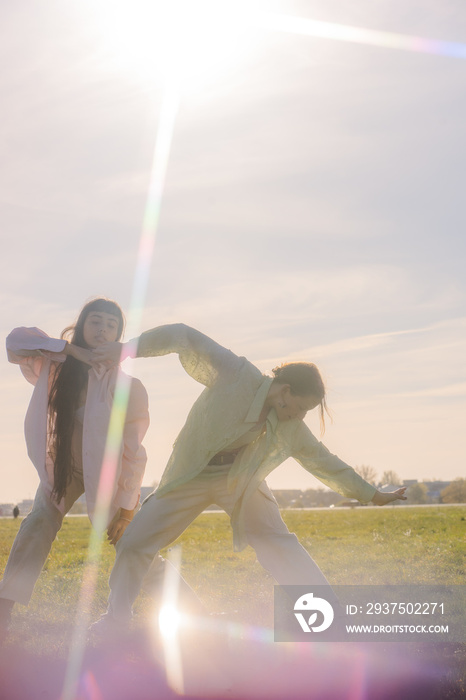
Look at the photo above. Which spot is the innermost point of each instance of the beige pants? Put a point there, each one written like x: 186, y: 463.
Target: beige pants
x: 34, y: 540
x: 161, y: 520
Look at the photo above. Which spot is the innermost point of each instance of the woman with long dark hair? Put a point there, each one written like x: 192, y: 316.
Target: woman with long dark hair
x: 66, y: 430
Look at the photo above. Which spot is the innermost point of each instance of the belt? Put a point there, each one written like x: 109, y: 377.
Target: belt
x: 222, y: 458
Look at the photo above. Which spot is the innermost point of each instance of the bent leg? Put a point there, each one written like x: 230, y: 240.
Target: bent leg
x: 30, y: 549
x: 34, y: 540
x: 159, y: 522
x: 278, y: 550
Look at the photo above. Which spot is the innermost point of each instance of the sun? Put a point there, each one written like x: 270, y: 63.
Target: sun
x: 187, y: 42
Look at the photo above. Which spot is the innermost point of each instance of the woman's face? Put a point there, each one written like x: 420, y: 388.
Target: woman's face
x: 100, y: 327
x: 289, y: 406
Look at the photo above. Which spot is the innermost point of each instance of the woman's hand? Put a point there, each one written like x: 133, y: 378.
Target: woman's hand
x: 116, y: 529
x: 109, y: 354
x: 381, y: 498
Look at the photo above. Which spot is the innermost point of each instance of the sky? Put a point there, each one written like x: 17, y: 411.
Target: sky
x: 312, y: 207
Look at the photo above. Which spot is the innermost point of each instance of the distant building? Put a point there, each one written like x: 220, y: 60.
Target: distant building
x: 286, y: 498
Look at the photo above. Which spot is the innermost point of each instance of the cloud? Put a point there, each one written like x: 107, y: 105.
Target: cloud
x: 417, y: 362
x: 453, y: 328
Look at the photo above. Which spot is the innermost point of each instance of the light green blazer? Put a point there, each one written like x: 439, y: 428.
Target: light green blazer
x: 228, y: 407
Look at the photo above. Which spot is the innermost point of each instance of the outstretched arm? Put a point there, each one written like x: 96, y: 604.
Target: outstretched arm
x: 335, y: 473
x: 202, y: 358
x: 30, y: 348
x: 381, y: 498
x: 25, y: 343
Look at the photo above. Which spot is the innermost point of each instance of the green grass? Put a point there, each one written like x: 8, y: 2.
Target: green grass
x: 385, y: 546
x: 360, y: 546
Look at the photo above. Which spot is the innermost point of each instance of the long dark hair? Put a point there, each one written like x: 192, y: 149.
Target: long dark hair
x: 69, y: 380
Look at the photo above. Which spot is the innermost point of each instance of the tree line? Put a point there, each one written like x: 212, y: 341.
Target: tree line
x: 455, y: 492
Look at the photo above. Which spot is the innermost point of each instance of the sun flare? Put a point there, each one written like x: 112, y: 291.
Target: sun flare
x: 177, y: 41
x: 169, y: 621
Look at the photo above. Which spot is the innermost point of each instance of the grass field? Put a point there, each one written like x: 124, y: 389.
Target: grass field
x: 392, y: 545
x: 359, y: 546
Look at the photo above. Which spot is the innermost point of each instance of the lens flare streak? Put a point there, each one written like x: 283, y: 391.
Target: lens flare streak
x: 359, y: 35
x: 120, y: 401
x: 169, y: 622
x: 168, y: 113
